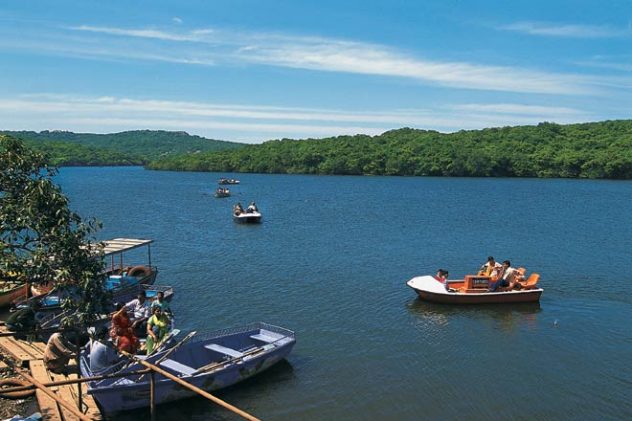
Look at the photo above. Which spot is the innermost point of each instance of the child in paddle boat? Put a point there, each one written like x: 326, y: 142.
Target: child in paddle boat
x: 442, y: 276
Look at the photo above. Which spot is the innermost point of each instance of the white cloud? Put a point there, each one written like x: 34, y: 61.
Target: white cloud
x: 520, y: 109
x: 256, y: 123
x: 566, y: 30
x: 140, y: 33
x: 334, y: 55
x: 177, y: 20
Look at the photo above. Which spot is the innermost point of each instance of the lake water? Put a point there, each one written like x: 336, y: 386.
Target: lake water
x: 331, y: 259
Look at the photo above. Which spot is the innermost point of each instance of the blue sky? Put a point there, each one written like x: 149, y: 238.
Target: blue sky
x: 251, y: 71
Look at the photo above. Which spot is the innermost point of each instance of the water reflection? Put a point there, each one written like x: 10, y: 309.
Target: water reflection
x: 244, y: 395
x: 430, y: 316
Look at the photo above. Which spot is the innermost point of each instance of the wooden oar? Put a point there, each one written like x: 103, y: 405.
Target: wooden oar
x: 193, y: 388
x: 176, y: 346
x: 214, y: 364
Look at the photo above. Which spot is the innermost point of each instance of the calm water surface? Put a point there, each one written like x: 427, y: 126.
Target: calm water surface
x: 331, y: 259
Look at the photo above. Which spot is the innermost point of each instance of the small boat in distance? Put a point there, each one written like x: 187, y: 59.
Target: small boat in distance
x: 473, y: 289
x: 222, y: 192
x: 249, y: 216
x: 209, y: 361
x: 228, y: 181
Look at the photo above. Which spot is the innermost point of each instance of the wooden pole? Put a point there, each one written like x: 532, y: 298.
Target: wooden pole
x: 79, y: 396
x: 193, y: 388
x: 74, y: 381
x: 52, y: 394
x: 152, y: 396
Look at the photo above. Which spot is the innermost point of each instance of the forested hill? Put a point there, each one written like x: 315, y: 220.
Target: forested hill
x: 125, y: 148
x: 589, y: 150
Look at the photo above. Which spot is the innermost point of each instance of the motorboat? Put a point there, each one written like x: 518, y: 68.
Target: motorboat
x: 252, y: 217
x: 473, y: 289
x: 228, y: 181
x: 209, y: 361
x: 222, y: 192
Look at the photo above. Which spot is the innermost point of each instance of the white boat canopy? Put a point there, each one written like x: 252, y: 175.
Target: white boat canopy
x: 120, y: 245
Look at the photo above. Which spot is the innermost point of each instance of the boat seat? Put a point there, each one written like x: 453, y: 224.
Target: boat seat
x: 224, y: 350
x: 178, y: 367
x: 267, y: 336
x: 531, y: 282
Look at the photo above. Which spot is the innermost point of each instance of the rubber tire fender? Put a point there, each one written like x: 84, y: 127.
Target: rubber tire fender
x: 139, y: 270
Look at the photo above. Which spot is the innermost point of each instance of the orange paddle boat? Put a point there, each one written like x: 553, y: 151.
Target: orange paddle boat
x: 473, y: 289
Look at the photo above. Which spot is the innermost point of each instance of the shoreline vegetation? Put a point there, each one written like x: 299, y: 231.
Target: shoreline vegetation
x: 601, y: 150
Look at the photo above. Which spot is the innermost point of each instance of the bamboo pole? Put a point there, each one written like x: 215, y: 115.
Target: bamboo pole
x: 75, y: 381
x: 57, y: 399
x: 193, y: 388
x: 152, y: 395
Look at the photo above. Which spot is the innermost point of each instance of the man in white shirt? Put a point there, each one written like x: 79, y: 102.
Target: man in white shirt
x: 139, y: 310
x: 506, y: 277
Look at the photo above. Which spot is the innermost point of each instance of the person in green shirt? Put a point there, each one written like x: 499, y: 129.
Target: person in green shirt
x: 157, y: 328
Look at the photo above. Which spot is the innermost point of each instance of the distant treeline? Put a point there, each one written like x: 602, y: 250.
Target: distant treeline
x: 65, y: 154
x: 590, y: 150
x: 136, y: 147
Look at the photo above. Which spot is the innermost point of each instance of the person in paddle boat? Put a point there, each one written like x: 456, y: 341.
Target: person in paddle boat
x: 252, y: 208
x: 488, y: 267
x: 238, y: 209
x: 158, y: 327
x: 140, y: 311
x: 442, y: 276
x: 506, y: 278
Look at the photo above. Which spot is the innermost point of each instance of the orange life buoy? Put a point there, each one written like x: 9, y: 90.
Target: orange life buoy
x: 13, y: 383
x: 141, y: 270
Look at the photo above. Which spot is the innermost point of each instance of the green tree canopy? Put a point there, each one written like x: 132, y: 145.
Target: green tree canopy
x: 588, y: 150
x: 41, y: 239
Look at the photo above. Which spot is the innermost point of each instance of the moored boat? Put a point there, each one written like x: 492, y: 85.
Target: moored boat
x: 473, y: 289
x: 209, y: 361
x: 123, y: 280
x: 11, y: 291
x: 117, y: 269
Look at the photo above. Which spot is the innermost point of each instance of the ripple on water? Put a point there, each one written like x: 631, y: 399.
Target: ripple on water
x: 331, y: 259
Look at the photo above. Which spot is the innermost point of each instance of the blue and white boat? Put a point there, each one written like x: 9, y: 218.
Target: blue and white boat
x: 209, y: 361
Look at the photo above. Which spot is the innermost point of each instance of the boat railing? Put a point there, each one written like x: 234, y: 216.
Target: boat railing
x: 205, y: 336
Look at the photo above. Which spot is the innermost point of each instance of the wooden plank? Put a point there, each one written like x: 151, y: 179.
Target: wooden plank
x: 90, y: 407
x: 11, y: 346
x: 65, y: 393
x: 3, y: 366
x: 38, y: 347
x: 48, y: 407
x: 27, y: 347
